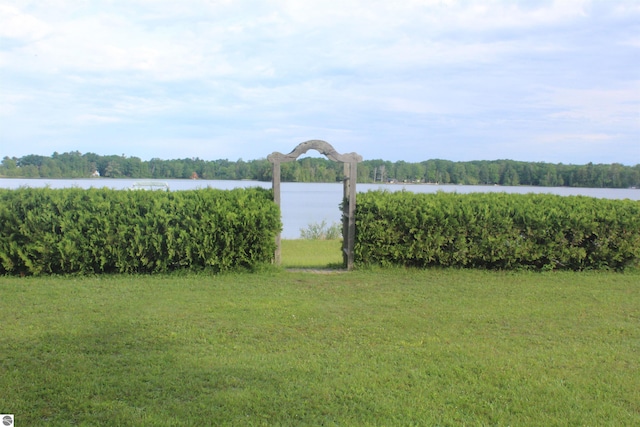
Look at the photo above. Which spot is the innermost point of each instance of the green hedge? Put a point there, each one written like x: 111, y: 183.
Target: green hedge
x: 46, y: 231
x: 496, y: 231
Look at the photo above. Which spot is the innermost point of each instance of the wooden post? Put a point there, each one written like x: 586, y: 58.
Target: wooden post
x: 275, y: 185
x: 351, y: 235
x: 345, y: 216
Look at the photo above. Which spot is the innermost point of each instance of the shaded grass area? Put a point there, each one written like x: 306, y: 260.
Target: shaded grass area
x: 375, y: 347
x: 305, y: 253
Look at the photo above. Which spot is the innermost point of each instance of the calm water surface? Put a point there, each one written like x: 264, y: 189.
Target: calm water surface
x: 306, y: 203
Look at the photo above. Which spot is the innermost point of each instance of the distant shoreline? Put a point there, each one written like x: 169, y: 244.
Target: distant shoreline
x: 391, y: 183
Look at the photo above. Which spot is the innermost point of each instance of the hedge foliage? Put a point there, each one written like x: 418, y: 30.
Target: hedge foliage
x: 496, y: 231
x: 46, y: 231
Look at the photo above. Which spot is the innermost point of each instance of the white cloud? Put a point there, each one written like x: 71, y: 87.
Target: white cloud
x: 101, y: 44
x: 358, y: 71
x: 595, y: 138
x: 20, y: 26
x: 97, y: 119
x: 11, y: 102
x: 632, y: 41
x: 140, y: 35
x: 604, y: 106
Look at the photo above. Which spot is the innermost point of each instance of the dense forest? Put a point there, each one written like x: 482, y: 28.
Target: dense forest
x: 312, y: 169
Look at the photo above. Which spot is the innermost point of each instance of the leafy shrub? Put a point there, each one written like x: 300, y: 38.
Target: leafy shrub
x: 321, y: 231
x: 496, y: 231
x: 101, y: 230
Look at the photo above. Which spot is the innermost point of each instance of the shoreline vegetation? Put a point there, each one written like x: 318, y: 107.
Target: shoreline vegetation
x: 482, y: 172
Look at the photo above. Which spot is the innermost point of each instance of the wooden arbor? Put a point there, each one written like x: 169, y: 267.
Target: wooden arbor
x: 350, y: 161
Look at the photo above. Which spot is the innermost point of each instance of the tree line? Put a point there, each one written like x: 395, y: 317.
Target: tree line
x: 311, y: 169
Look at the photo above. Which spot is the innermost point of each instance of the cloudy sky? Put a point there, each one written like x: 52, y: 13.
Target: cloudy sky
x: 533, y: 80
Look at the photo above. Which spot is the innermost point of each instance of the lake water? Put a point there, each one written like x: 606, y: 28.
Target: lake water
x: 306, y: 203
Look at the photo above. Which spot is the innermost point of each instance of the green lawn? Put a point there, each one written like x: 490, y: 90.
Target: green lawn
x: 374, y: 347
x: 303, y: 253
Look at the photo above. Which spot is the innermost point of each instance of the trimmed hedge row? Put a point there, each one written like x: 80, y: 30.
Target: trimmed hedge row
x: 47, y: 231
x: 496, y: 231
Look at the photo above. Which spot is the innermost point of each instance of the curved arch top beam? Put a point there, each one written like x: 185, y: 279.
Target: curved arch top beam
x: 323, y: 147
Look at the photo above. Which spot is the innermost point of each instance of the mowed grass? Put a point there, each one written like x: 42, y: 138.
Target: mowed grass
x: 374, y: 347
x: 304, y: 253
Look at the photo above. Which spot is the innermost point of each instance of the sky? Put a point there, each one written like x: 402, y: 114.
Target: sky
x: 534, y: 80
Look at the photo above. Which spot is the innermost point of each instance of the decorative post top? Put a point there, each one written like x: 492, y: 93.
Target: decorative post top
x: 322, y: 147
